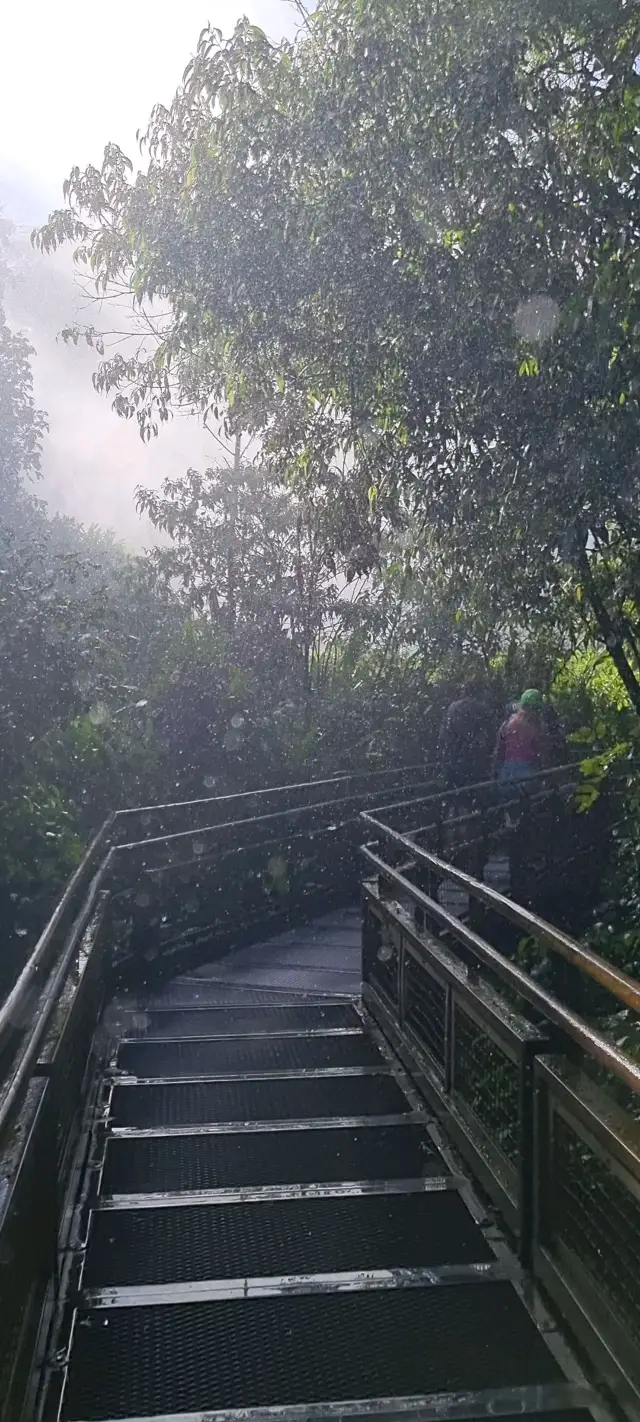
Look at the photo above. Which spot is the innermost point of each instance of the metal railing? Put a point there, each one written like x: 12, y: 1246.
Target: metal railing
x: 156, y: 821
x: 236, y: 881
x: 44, y: 1094
x: 539, y: 832
x: 48, y: 1021
x: 542, y: 1104
x: 143, y: 903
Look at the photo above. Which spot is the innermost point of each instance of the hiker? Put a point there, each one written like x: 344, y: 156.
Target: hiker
x: 522, y: 746
x: 464, y: 745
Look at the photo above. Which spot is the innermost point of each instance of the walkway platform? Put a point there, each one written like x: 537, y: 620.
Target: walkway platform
x: 279, y: 1227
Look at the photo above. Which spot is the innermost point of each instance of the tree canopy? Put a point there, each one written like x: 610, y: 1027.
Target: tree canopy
x: 398, y: 256
x: 406, y: 241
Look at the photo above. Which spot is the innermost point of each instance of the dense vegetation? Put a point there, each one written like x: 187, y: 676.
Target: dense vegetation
x: 399, y: 255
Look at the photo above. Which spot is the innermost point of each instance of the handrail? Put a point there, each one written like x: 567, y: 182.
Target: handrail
x: 618, y: 983
x: 463, y: 791
x: 121, y: 815
x: 10, y: 1008
x: 179, y: 835
x: 586, y: 1037
x: 23, y: 1069
x: 220, y: 856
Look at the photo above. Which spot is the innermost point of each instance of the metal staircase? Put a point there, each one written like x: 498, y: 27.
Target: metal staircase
x: 326, y: 1170
x: 277, y: 1224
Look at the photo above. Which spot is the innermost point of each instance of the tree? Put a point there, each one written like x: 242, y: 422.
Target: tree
x: 22, y: 425
x: 404, y: 245
x: 246, y: 551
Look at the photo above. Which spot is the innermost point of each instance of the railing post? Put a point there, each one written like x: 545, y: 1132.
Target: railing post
x: 370, y: 938
x: 440, y: 829
x: 526, y: 1162
x: 449, y: 1044
x: 402, y: 982
x: 542, y: 1164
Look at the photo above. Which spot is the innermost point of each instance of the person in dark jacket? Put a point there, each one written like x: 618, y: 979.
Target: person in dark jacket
x: 466, y: 739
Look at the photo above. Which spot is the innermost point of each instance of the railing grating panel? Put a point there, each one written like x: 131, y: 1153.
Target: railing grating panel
x: 598, y: 1219
x: 488, y: 1081
x: 426, y: 1009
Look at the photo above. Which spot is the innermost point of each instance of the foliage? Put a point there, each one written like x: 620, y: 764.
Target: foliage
x: 404, y: 248
x: 248, y: 553
x: 22, y: 426
x: 400, y: 251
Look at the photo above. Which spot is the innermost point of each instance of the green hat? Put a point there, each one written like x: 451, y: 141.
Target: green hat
x: 532, y: 699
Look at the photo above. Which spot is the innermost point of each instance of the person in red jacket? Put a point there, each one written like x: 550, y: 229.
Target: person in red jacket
x: 521, y: 748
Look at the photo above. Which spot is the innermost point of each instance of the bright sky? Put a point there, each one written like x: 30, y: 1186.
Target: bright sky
x: 74, y: 76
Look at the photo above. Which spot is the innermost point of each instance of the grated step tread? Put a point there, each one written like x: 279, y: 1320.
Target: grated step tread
x: 160, y: 1163
x: 277, y: 1237
x: 227, y: 1022
x: 137, y: 1362
x: 237, y: 1055
x: 291, y: 1098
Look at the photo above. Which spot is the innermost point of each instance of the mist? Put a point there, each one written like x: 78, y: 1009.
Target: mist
x: 92, y: 461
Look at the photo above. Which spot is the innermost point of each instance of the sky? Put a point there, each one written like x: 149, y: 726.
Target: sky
x: 74, y: 76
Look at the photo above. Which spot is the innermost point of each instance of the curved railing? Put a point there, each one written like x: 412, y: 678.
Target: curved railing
x: 541, y: 1101
x: 247, y: 864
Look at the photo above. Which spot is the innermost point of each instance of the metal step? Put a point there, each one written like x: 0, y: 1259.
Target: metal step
x: 209, y: 991
x: 336, y: 983
x: 281, y: 1237
x: 250, y: 1021
x: 239, y: 1055
x: 309, y: 1349
x: 159, y: 1163
x: 188, y: 1103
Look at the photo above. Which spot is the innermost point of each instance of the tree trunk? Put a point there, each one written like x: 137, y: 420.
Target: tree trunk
x: 609, y: 632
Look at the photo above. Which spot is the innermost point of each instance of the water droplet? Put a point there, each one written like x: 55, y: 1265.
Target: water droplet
x: 209, y: 781
x: 237, y: 721
x: 99, y: 714
x: 198, y: 847
x: 537, y: 318
x: 142, y: 899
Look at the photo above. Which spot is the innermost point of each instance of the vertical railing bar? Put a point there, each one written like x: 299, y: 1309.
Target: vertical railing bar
x: 448, y: 1040
x: 542, y: 1164
x: 526, y: 1160
x: 451, y: 1060
x: 402, y: 982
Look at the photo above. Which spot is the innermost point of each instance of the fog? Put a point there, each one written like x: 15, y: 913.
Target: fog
x: 90, y: 84
x: 92, y: 461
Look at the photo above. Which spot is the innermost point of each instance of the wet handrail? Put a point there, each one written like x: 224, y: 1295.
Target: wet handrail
x: 12, y: 1090
x: 464, y: 791
x: 179, y: 836
x: 618, y: 983
x: 11, y: 1007
x: 129, y: 813
x: 591, y: 1041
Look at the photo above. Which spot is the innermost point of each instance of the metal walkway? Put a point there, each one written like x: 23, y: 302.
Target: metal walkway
x: 278, y: 1223
x: 239, y: 1121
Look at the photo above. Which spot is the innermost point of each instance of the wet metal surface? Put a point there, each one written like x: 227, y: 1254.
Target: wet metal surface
x: 280, y: 1232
